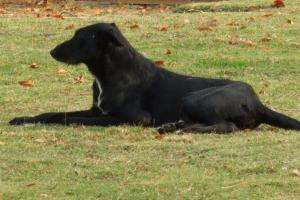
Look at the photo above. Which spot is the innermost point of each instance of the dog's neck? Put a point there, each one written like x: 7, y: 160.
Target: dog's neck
x: 124, y: 65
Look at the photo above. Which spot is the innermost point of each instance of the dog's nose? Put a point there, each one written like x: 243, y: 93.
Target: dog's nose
x: 52, y: 53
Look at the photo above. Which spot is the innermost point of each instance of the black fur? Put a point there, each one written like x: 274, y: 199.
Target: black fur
x: 129, y: 88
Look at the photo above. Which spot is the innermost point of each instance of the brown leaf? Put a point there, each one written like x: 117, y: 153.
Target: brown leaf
x: 134, y: 26
x: 266, y: 39
x: 248, y: 43
x: 27, y: 83
x: 251, y: 19
x: 61, y: 71
x: 212, y: 23
x: 289, y: 21
x: 233, y: 23
x: 159, y: 62
x: 2, y: 143
x: 160, y: 136
x: 70, y: 26
x: 296, y: 172
x: 40, y: 140
x: 163, y: 28
x: 168, y: 52
x: 58, y: 16
x: 237, y: 41
x: 205, y: 28
x: 2, y: 11
x: 186, y: 21
x: 30, y: 185
x: 79, y: 79
x: 268, y: 15
x: 34, y: 66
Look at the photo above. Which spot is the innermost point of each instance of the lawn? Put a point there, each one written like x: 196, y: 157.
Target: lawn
x: 260, y: 47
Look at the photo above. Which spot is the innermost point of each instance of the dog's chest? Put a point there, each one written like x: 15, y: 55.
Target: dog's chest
x: 98, y: 94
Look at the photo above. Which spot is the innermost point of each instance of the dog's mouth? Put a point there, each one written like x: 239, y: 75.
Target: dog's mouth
x: 63, y: 58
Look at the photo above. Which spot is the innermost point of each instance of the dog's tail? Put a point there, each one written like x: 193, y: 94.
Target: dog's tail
x: 274, y: 118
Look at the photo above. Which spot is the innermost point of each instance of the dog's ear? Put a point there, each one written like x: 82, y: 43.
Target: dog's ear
x: 112, y: 35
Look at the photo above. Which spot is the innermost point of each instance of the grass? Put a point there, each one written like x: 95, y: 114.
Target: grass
x: 75, y: 162
x: 225, y: 6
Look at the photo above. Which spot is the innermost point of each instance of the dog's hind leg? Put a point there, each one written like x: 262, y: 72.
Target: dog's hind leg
x: 223, y: 127
x: 221, y: 109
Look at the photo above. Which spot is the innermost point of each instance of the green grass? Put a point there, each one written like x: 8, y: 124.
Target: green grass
x: 225, y: 6
x: 58, y: 162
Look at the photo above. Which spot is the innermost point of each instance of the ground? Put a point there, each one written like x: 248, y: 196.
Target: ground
x: 260, y: 47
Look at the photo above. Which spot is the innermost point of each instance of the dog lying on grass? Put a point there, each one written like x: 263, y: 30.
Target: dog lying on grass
x: 129, y: 88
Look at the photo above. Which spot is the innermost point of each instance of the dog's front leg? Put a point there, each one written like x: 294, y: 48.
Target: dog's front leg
x: 54, y: 117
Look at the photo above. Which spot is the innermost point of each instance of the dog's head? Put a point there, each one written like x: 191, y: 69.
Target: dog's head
x: 89, y: 43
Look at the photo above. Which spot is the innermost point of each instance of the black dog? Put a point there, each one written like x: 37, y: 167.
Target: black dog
x: 129, y: 88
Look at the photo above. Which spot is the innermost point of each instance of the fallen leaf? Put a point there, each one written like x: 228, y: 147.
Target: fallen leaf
x: 70, y: 26
x: 110, y: 10
x: 278, y: 3
x: 30, y: 185
x: 27, y: 83
x: 237, y: 40
x: 252, y: 19
x: 289, y: 21
x: 160, y: 136
x: 248, y: 43
x: 296, y: 172
x: 266, y: 39
x: 61, y: 71
x: 212, y: 23
x: 159, y: 62
x: 205, y: 28
x: 33, y: 66
x: 134, y: 26
x: 58, y: 16
x: 40, y: 140
x: 79, y: 79
x: 2, y: 143
x: 163, y: 28
x: 268, y: 15
x: 2, y: 11
x: 233, y: 23
x: 168, y: 52
x: 186, y: 21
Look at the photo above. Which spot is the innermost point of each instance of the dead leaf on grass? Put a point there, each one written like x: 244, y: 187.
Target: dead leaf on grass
x: 163, y: 28
x: 61, y: 71
x: 289, y: 21
x: 268, y: 15
x: 58, y: 16
x: 160, y: 136
x: 30, y: 185
x: 79, y: 79
x: 2, y: 11
x: 40, y: 140
x: 27, y: 83
x: 205, y: 28
x: 296, y: 172
x: 2, y: 143
x: 33, y: 66
x: 212, y: 23
x: 70, y: 26
x: 168, y: 52
x: 233, y: 23
x: 266, y: 39
x: 134, y: 26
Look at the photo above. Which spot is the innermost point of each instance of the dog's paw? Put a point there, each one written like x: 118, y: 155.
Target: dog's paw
x: 20, y: 121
